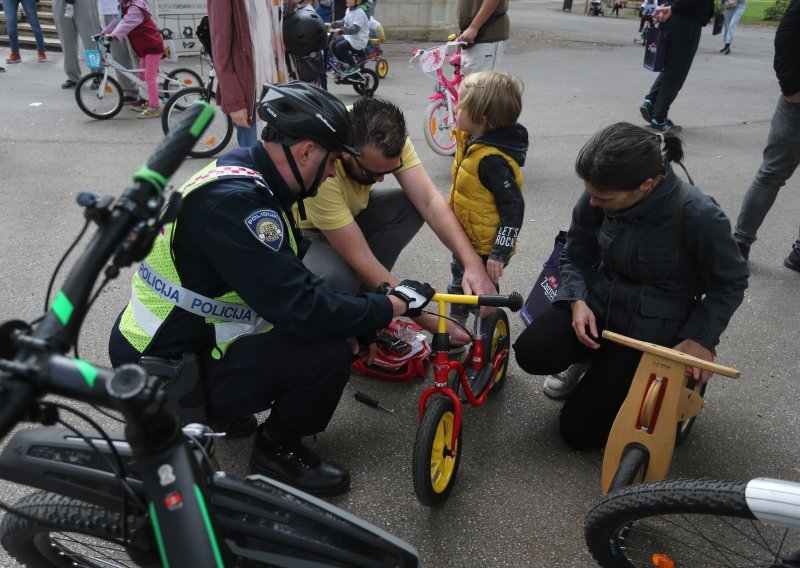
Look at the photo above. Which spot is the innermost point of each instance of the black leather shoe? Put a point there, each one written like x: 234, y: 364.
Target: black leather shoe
x: 243, y: 427
x: 793, y: 260
x: 68, y: 84
x: 296, y: 465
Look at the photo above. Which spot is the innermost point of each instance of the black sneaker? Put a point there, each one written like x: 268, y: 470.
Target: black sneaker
x: 647, y: 110
x: 793, y: 260
x: 296, y: 465
x: 666, y: 126
x: 242, y: 427
x: 744, y: 249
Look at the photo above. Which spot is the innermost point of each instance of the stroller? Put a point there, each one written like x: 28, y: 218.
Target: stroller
x: 596, y: 8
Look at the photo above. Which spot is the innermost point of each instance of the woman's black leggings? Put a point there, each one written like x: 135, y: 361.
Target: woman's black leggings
x: 549, y: 345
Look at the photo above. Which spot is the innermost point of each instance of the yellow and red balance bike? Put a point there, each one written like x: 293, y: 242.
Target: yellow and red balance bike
x: 438, y: 444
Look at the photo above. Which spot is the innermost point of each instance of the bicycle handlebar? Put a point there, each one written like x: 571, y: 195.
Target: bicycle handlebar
x: 511, y: 301
x: 176, y: 146
x: 39, y: 368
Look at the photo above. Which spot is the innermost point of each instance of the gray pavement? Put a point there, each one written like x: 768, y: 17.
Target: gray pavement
x: 521, y: 496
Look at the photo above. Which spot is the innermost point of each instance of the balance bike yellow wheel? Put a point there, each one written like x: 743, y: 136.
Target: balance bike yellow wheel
x: 382, y: 68
x: 497, y: 333
x: 437, y: 453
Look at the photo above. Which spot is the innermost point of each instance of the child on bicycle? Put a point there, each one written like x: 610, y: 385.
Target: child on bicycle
x: 376, y: 36
x: 135, y: 22
x: 486, y: 194
x: 354, y: 28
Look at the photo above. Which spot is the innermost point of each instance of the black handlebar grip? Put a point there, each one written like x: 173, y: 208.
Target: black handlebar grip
x: 513, y: 301
x: 176, y: 146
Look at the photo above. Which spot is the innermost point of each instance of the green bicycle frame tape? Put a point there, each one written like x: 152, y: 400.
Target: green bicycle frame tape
x: 62, y: 307
x: 159, y: 538
x: 207, y: 520
x: 152, y: 177
x: 87, y: 370
x: 202, y: 119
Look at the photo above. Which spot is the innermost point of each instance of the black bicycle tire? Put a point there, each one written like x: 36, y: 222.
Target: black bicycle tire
x: 491, y: 325
x: 621, y: 509
x: 208, y: 97
x: 29, y: 542
x: 438, y: 406
x: 113, y: 82
x: 426, y: 129
x: 634, y: 461
x: 174, y: 72
x: 369, y: 90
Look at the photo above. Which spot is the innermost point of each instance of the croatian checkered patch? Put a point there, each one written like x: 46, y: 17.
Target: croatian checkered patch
x: 266, y: 226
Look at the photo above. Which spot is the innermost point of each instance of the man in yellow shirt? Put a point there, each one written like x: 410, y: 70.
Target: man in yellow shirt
x: 357, y: 232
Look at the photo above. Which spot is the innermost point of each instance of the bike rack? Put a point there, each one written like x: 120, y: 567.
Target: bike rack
x: 658, y: 392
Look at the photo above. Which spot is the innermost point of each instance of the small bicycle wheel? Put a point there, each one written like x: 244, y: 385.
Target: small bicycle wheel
x: 71, y: 533
x: 180, y: 78
x: 215, y: 137
x: 632, y: 467
x: 497, y: 334
x: 438, y: 124
x: 686, y: 426
x: 382, y: 68
x: 369, y: 84
x: 692, y: 523
x: 98, y: 98
x: 437, y: 453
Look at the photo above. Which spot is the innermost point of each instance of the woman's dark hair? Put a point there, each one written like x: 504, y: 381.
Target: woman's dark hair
x: 621, y: 156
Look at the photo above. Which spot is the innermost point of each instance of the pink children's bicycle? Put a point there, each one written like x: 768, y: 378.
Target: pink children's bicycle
x: 440, y: 116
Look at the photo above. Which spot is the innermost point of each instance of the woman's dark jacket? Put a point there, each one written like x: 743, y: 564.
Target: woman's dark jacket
x: 650, y: 263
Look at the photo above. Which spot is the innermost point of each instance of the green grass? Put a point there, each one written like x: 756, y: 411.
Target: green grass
x: 754, y: 13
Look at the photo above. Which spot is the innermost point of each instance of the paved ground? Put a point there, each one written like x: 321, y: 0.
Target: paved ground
x: 521, y: 496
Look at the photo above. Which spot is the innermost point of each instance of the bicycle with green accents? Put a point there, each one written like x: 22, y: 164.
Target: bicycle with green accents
x: 153, y: 496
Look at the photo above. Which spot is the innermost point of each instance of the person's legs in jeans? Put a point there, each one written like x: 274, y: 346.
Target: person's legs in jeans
x: 11, y: 8
x: 683, y: 42
x: 732, y: 21
x: 247, y: 137
x: 341, y: 49
x: 33, y: 19
x: 781, y: 158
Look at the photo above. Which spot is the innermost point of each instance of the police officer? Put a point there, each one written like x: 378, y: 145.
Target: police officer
x: 225, y: 281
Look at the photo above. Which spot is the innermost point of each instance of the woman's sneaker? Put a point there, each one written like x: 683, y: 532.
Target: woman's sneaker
x: 793, y: 260
x: 562, y: 384
x: 647, y: 110
x: 666, y: 126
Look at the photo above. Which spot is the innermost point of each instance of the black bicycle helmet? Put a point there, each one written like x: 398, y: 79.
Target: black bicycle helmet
x: 304, y: 32
x: 299, y: 111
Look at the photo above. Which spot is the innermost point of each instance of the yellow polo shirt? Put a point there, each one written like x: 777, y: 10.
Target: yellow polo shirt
x: 341, y: 198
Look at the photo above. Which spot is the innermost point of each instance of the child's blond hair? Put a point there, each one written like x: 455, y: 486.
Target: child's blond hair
x: 491, y: 98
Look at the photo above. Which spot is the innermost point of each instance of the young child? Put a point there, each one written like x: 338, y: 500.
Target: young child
x: 355, y: 30
x: 376, y: 35
x: 486, y: 194
x: 134, y: 21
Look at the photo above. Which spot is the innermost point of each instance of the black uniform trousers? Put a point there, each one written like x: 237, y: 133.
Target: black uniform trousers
x: 302, y: 382
x: 683, y: 42
x: 549, y: 345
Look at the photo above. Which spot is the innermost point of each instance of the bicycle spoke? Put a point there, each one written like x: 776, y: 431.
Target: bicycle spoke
x: 99, y: 553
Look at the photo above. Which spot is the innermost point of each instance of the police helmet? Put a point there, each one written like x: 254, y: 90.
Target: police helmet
x: 304, y: 32
x: 299, y: 111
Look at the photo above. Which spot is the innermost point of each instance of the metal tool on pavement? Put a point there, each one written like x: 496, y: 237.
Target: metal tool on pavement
x: 369, y: 401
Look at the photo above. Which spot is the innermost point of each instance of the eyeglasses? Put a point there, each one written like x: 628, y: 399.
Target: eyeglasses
x: 370, y: 174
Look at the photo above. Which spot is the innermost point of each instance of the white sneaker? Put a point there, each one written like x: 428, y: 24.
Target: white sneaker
x: 562, y: 384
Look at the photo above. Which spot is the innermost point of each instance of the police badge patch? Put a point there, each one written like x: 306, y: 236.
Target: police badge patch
x: 266, y: 226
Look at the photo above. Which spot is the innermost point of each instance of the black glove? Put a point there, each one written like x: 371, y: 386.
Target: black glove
x: 415, y: 294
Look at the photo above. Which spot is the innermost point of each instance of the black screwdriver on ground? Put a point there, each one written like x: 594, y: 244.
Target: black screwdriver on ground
x: 369, y: 401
